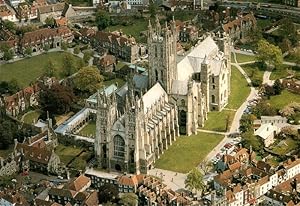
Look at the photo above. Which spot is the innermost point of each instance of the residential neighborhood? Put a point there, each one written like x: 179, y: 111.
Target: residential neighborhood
x: 166, y: 103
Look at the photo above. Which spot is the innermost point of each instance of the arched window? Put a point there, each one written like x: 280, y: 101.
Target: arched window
x: 162, y: 52
x: 156, y: 75
x: 155, y: 51
x: 161, y: 74
x: 213, y: 99
x: 182, y: 103
x: 119, y: 147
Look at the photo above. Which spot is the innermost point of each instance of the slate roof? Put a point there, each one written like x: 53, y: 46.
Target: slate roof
x: 153, y: 95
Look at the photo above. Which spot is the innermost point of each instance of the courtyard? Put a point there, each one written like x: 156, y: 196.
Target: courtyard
x: 30, y: 69
x: 31, y: 116
x: 88, y: 130
x: 241, y: 58
x: 187, y: 152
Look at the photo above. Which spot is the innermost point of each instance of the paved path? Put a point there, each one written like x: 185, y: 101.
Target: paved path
x: 174, y: 180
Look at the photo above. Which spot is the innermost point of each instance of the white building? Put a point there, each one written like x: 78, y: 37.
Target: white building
x: 267, y: 132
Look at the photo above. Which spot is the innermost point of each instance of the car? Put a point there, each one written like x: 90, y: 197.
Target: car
x: 234, y: 135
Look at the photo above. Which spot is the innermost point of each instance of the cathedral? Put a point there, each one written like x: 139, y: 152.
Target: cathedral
x: 181, y: 91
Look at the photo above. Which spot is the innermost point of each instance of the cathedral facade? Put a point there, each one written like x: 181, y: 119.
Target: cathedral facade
x: 181, y: 92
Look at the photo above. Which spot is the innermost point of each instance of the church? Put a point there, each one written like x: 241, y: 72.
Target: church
x: 181, y: 91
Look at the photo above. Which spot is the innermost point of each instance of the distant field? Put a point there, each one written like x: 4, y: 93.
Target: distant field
x: 30, y: 69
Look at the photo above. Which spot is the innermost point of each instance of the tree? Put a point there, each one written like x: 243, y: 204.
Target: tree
x: 50, y: 69
x: 108, y: 193
x: 46, y: 47
x: 205, y: 166
x: 263, y: 109
x: 50, y: 21
x: 11, y: 26
x: 102, y: 20
x: 246, y: 122
x: 129, y: 199
x: 69, y: 66
x: 77, y: 50
x: 57, y: 99
x: 268, y: 53
x: 153, y: 8
x: 28, y: 51
x: 10, y: 87
x: 64, y: 46
x: 8, y: 53
x: 277, y: 87
x: 249, y: 139
x: 88, y: 80
x: 288, y: 30
x: 194, y: 181
x: 285, y: 45
x: 256, y: 35
x: 87, y: 56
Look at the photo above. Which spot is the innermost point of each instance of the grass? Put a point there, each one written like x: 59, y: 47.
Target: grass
x: 285, y: 146
x: 187, y: 152
x: 239, y: 89
x: 254, y: 72
x: 242, y: 58
x: 217, y: 120
x: 67, y: 153
x: 286, y: 97
x: 30, y: 69
x: 284, y: 72
x: 89, y: 129
x: 80, y: 162
x: 31, y: 116
x: 263, y: 23
x: 133, y: 28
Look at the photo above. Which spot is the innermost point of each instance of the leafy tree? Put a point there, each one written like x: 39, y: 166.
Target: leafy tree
x: 246, y: 122
x: 76, y: 50
x: 46, y: 47
x: 57, y: 99
x: 50, y: 69
x: 11, y: 26
x: 10, y: 87
x: 108, y: 193
x: 64, y: 46
x: 285, y: 45
x: 129, y: 199
x: 194, y: 181
x: 277, y: 87
x: 269, y: 54
x: 153, y: 8
x: 263, y: 109
x: 87, y: 56
x: 256, y: 35
x: 249, y: 139
x: 28, y: 51
x: 69, y: 66
x: 88, y: 80
x: 8, y: 54
x: 288, y: 30
x: 102, y: 20
x: 50, y: 21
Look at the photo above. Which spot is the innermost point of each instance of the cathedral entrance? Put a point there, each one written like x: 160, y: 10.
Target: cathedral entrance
x: 118, y: 167
x: 182, y: 122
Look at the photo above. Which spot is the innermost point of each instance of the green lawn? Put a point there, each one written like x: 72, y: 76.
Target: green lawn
x: 28, y: 70
x: 217, y: 120
x: 134, y: 28
x: 67, y: 153
x: 239, y: 89
x: 285, y: 146
x: 255, y: 73
x: 80, y: 162
x: 242, y: 58
x: 187, y: 152
x: 284, y: 72
x: 31, y: 116
x: 89, y: 129
x: 286, y: 97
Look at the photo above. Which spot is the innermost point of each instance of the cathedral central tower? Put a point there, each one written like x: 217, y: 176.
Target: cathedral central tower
x: 162, y: 54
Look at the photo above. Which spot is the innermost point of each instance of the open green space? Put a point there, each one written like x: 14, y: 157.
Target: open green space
x: 88, y: 130
x: 219, y: 121
x: 134, y: 27
x: 284, y: 71
x: 80, y: 162
x: 187, y: 152
x: 30, y: 69
x: 239, y: 89
x: 31, y: 116
x: 255, y: 73
x: 241, y: 58
x: 285, y: 146
x: 67, y: 153
x: 286, y: 97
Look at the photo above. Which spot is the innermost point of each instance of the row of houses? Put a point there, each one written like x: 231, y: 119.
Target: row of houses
x: 247, y: 181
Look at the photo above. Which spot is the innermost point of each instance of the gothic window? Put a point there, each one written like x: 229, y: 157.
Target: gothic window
x: 182, y: 122
x: 104, y: 151
x: 156, y: 75
x: 119, y: 147
x: 155, y: 52
x: 162, y: 52
x: 161, y: 74
x: 132, y: 156
x: 214, y: 86
x: 213, y: 99
x: 182, y: 103
x: 213, y: 80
